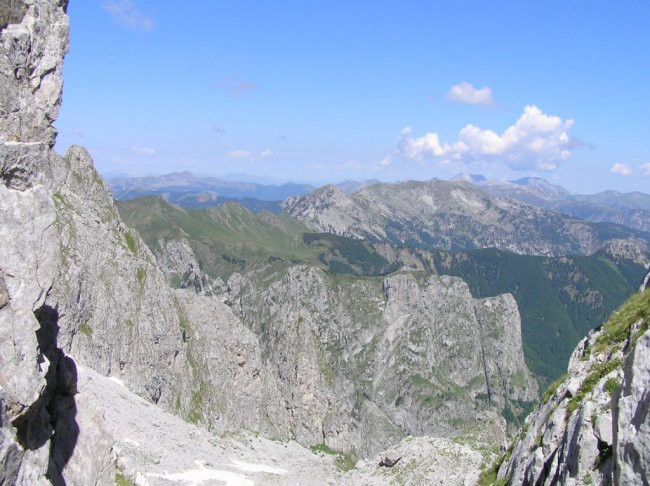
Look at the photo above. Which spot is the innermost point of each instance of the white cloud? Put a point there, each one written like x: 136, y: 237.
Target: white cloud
x: 420, y: 148
x: 240, y: 154
x: 266, y: 153
x: 535, y: 141
x: 126, y: 13
x: 464, y: 92
x: 622, y: 169
x: 646, y: 169
x: 148, y: 151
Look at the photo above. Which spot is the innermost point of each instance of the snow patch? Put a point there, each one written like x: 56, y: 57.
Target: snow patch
x: 202, y: 474
x: 248, y: 467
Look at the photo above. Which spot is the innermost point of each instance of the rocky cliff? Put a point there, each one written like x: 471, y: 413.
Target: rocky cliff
x: 36, y: 378
x: 453, y: 215
x: 366, y: 361
x: 592, y: 427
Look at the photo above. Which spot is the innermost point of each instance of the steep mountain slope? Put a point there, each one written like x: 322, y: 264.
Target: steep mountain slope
x: 284, y: 342
x: 224, y: 238
x: 592, y: 427
x: 398, y: 356
x: 327, y: 335
x: 451, y: 215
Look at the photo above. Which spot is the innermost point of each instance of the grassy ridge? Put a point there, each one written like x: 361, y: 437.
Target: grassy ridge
x: 230, y: 239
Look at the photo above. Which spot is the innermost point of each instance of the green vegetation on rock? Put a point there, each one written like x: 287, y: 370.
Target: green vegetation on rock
x: 344, y: 460
x: 597, y: 372
x: 130, y: 243
x: 552, y: 388
x: 617, y: 329
x: 85, y: 329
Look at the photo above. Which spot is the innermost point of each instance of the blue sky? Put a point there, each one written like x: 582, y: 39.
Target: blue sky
x: 329, y: 90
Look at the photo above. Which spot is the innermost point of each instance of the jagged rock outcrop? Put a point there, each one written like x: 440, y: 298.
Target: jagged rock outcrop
x: 592, y: 428
x: 229, y: 372
x: 363, y: 362
x: 178, y: 260
x: 453, y: 215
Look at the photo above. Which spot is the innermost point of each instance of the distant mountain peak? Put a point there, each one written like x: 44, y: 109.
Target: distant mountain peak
x: 467, y: 177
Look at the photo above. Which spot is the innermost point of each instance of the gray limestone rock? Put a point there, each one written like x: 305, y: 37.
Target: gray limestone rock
x: 632, y: 415
x: 178, y: 260
x: 593, y: 427
x: 362, y: 362
x: 4, y: 293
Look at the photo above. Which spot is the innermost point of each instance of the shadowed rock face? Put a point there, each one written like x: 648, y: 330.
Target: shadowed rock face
x: 12, y: 12
x: 38, y: 427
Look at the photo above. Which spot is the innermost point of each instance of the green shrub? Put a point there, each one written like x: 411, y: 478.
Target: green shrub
x: 141, y: 274
x: 597, y: 372
x: 122, y: 480
x: 552, y: 388
x: 85, y: 329
x: 130, y: 243
x: 612, y: 385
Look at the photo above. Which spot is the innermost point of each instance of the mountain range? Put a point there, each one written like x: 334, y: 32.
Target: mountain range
x: 188, y: 190
x: 628, y: 209
x: 179, y: 185
x: 453, y: 215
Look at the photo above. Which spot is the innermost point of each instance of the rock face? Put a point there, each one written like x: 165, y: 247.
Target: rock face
x: 118, y: 314
x: 37, y: 379
x: 33, y: 41
x: 363, y: 362
x: 593, y: 428
x: 178, y: 260
x: 453, y: 215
